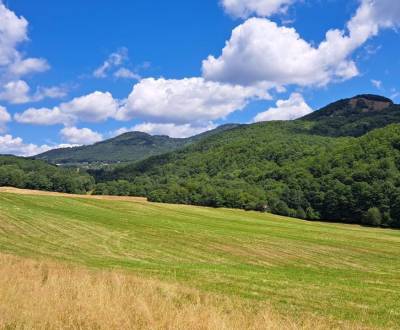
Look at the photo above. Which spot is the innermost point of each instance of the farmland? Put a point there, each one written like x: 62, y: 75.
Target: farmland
x: 343, y: 274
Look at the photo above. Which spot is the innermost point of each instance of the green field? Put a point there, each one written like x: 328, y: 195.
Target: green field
x: 340, y: 272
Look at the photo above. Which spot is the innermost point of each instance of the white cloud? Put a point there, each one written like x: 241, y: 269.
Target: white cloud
x: 54, y: 92
x: 4, y: 115
x: 261, y: 51
x: 293, y: 108
x: 66, y: 145
x: 94, y: 107
x: 13, y: 30
x: 18, y: 92
x: 15, y: 92
x: 126, y: 74
x: 16, y: 146
x: 113, y: 60
x: 80, y: 136
x: 169, y: 129
x: 376, y: 83
x: 4, y: 118
x: 22, y: 67
x: 13, y: 65
x: 44, y: 116
x: 263, y: 8
x: 189, y: 100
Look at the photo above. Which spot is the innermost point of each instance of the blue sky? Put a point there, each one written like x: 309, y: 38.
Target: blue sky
x: 75, y: 72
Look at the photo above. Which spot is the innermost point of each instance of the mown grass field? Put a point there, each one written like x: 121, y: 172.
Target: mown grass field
x: 340, y: 273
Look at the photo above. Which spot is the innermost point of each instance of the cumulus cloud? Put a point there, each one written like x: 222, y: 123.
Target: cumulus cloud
x: 23, y: 67
x: 293, y: 108
x: 174, y: 102
x: 13, y: 64
x: 261, y: 51
x: 169, y: 129
x: 44, y: 116
x: 4, y: 118
x: 94, y: 107
x: 16, y: 146
x: 13, y: 31
x: 190, y: 100
x: 15, y: 92
x: 80, y: 136
x: 262, y: 8
x: 18, y: 92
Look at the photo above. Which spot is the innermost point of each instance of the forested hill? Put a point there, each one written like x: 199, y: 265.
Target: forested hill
x: 281, y: 167
x: 350, y: 117
x: 355, y: 116
x: 131, y: 146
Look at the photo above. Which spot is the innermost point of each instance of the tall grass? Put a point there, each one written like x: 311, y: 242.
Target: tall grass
x: 49, y: 295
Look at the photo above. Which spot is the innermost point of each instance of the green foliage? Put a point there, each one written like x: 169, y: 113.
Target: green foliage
x: 34, y: 174
x: 373, y: 217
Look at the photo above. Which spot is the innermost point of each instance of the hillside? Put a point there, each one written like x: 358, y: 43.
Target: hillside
x: 36, y: 174
x: 354, y: 116
x: 341, y: 276
x: 349, y: 117
x: 131, y: 146
x: 281, y: 167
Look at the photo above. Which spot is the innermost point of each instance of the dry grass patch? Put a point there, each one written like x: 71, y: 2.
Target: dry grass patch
x: 50, y: 295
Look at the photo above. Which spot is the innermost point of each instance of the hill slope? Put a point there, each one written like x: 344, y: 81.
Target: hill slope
x: 354, y: 116
x: 332, y: 271
x: 131, y: 146
x: 279, y: 167
x: 350, y: 117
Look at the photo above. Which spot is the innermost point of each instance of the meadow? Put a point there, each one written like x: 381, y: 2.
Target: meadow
x: 245, y: 269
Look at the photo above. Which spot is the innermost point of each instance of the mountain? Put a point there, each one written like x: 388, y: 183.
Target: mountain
x: 287, y: 168
x: 349, y: 117
x: 354, y: 116
x: 131, y: 146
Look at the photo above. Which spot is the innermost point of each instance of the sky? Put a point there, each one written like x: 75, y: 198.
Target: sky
x: 78, y: 72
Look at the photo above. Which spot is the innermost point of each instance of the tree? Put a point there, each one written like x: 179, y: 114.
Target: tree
x: 373, y: 217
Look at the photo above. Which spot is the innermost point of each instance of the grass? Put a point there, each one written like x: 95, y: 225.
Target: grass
x: 49, y: 295
x: 340, y: 273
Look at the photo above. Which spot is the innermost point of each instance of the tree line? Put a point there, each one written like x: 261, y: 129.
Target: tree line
x: 35, y: 174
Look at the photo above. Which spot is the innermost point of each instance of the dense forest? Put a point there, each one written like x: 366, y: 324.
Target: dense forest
x: 35, y: 174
